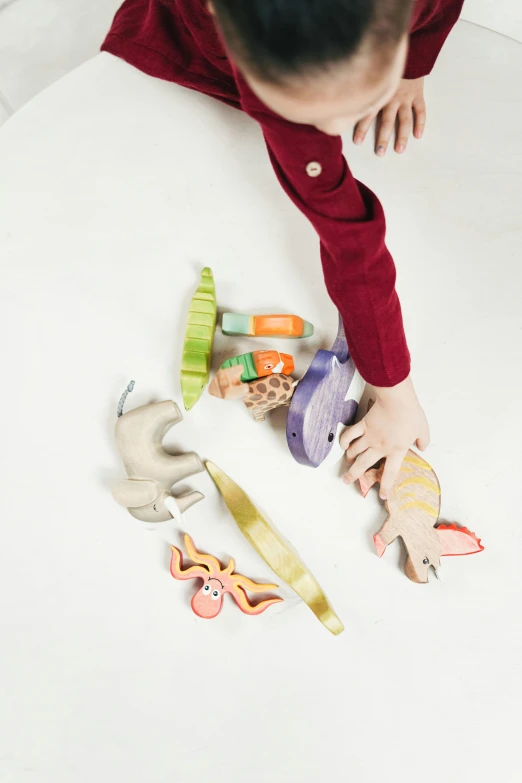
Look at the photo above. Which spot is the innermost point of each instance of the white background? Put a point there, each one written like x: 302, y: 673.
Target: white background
x: 504, y: 16
x: 116, y: 190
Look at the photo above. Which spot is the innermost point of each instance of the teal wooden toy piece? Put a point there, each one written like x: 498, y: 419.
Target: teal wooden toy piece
x: 199, y: 339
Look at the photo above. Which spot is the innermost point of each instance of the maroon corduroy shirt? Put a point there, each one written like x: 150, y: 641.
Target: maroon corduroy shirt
x: 177, y: 40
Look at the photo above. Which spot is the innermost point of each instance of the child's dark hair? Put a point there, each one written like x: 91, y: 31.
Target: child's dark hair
x: 280, y: 39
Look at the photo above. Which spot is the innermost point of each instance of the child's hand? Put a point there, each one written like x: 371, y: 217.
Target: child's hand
x: 406, y: 109
x: 389, y: 429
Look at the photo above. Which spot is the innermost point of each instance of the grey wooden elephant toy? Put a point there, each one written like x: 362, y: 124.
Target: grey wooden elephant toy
x: 147, y: 492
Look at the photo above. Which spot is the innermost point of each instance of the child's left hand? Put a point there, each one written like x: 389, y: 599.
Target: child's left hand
x: 406, y: 109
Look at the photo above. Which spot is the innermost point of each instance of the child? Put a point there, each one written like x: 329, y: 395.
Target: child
x: 307, y: 71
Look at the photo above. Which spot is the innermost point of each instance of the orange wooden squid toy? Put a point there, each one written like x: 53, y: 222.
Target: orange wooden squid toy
x: 217, y: 581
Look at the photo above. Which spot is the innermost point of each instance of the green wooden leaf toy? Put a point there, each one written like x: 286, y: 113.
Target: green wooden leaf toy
x: 199, y: 338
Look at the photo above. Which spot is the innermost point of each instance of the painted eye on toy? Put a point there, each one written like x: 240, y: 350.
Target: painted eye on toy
x: 331, y: 436
x: 268, y: 366
x: 426, y: 561
x: 215, y: 595
x: 206, y: 589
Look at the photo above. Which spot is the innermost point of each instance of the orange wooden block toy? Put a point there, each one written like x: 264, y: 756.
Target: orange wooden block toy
x: 283, y: 325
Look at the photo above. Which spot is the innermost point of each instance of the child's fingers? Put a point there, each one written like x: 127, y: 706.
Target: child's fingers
x: 357, y: 447
x: 389, y: 114
x: 363, y: 463
x: 419, y: 113
x: 405, y: 128
x: 362, y: 128
x: 351, y: 433
x: 391, y: 469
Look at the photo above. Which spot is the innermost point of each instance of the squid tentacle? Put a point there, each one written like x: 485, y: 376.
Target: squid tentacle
x: 241, y: 598
x: 248, y: 584
x: 211, y: 562
x: 178, y: 572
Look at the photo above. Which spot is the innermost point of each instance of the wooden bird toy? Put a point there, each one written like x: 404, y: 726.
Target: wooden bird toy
x: 260, y: 396
x: 259, y: 364
x: 217, y: 581
x: 147, y: 492
x: 199, y: 338
x: 413, y: 512
x: 274, y: 550
x: 266, y: 325
x: 327, y: 395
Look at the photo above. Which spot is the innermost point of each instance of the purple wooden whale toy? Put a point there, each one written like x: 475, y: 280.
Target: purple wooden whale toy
x: 321, y: 401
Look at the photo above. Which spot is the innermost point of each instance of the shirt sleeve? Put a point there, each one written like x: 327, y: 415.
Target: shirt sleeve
x: 358, y: 269
x: 431, y: 25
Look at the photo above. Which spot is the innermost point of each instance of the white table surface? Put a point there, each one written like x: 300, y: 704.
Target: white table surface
x: 115, y: 190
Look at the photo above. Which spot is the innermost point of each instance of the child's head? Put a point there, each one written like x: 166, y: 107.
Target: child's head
x: 326, y: 63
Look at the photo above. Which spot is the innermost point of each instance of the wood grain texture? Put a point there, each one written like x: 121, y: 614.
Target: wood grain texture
x: 151, y: 471
x: 320, y: 403
x: 227, y: 384
x: 413, y: 515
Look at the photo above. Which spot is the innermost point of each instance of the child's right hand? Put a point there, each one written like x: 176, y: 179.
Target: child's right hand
x: 394, y: 423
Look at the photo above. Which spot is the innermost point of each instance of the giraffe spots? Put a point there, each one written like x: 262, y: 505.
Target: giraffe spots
x: 256, y: 397
x: 275, y: 382
x: 249, y: 404
x: 261, y: 387
x: 283, y: 397
x: 271, y: 395
x: 286, y: 386
x: 250, y: 389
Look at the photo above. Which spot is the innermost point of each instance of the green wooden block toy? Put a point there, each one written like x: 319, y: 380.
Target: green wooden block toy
x: 199, y: 338
x: 259, y: 364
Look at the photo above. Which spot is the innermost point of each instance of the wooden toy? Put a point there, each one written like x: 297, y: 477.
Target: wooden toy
x: 267, y: 394
x: 217, y: 581
x: 327, y: 395
x: 274, y: 550
x: 227, y: 384
x: 413, y: 511
x: 260, y: 396
x: 266, y: 325
x: 259, y: 364
x: 199, y: 338
x: 146, y: 493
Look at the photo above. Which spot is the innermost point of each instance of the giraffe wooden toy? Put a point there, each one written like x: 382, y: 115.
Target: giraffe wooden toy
x: 267, y: 394
x: 260, y: 396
